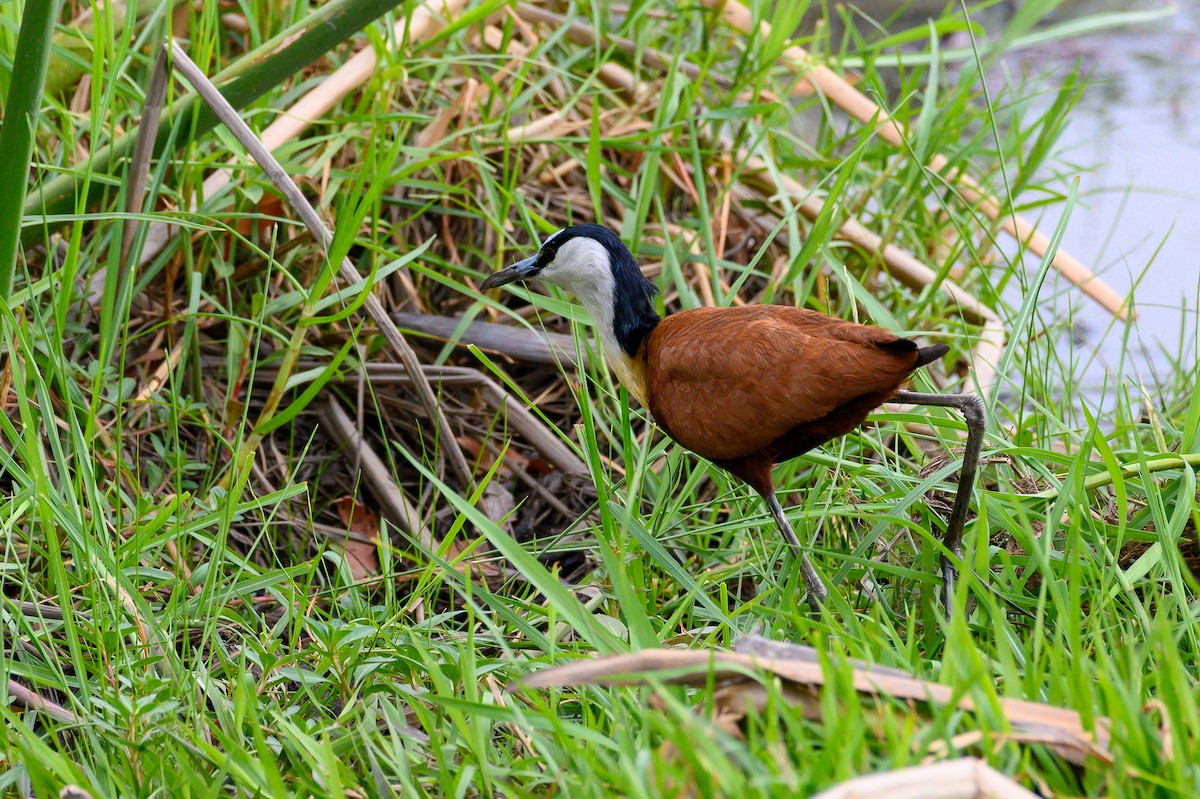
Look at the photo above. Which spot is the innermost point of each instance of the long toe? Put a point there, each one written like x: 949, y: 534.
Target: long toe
x: 949, y: 573
x: 817, y: 593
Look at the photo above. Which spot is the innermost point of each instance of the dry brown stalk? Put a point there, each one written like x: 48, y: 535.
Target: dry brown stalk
x: 866, y: 111
x: 1058, y: 728
x: 29, y: 699
x: 143, y: 147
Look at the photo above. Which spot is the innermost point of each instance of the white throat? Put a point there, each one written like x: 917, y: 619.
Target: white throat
x: 582, y: 267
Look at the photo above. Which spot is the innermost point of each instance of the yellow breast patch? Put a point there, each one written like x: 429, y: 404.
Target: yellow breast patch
x: 631, y: 372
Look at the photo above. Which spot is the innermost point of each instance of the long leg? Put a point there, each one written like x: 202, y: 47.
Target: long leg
x: 812, y: 581
x: 975, y: 414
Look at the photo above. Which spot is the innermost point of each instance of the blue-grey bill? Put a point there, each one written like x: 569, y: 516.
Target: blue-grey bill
x: 509, y: 274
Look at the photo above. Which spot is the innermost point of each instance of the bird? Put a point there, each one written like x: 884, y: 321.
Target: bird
x: 751, y: 386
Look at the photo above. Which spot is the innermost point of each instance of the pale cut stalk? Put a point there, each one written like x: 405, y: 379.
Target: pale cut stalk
x: 862, y: 108
x: 1058, y: 728
x: 965, y: 778
x: 374, y: 308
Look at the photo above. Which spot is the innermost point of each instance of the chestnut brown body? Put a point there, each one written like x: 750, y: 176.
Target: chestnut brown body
x: 753, y: 386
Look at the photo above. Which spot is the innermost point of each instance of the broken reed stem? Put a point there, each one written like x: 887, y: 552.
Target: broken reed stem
x: 866, y: 111
x: 375, y: 310
x: 1059, y: 728
x: 965, y: 778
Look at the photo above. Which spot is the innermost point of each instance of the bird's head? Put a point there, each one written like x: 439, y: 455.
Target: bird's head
x: 594, y: 264
x: 576, y: 258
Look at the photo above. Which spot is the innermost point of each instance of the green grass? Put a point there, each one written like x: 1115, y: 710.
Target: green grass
x: 213, y: 638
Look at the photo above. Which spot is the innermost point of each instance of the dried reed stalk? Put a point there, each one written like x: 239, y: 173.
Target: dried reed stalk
x: 866, y: 111
x: 965, y: 778
x: 1058, y: 728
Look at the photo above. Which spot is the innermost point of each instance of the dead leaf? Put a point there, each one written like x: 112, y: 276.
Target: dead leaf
x: 485, y: 459
x: 268, y: 209
x: 361, y: 546
x: 356, y: 517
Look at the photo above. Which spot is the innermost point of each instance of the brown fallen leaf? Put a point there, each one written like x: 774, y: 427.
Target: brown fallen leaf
x: 361, y: 546
x: 485, y: 458
x: 267, y: 210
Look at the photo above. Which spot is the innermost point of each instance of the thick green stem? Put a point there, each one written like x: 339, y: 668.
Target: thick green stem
x: 20, y: 122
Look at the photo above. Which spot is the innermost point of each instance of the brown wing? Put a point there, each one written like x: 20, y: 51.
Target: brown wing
x: 730, y: 382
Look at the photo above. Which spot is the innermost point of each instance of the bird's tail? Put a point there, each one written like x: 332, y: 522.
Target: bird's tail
x: 927, y: 355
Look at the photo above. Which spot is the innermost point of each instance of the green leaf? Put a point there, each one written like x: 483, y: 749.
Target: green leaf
x: 287, y: 414
x: 21, y: 112
x: 252, y: 76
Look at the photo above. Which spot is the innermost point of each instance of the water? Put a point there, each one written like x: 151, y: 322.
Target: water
x: 1135, y: 139
x: 1137, y: 130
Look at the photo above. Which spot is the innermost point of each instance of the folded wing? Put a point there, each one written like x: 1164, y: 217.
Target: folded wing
x: 730, y: 382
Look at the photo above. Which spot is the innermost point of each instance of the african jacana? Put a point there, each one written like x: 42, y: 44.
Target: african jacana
x: 746, y: 387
